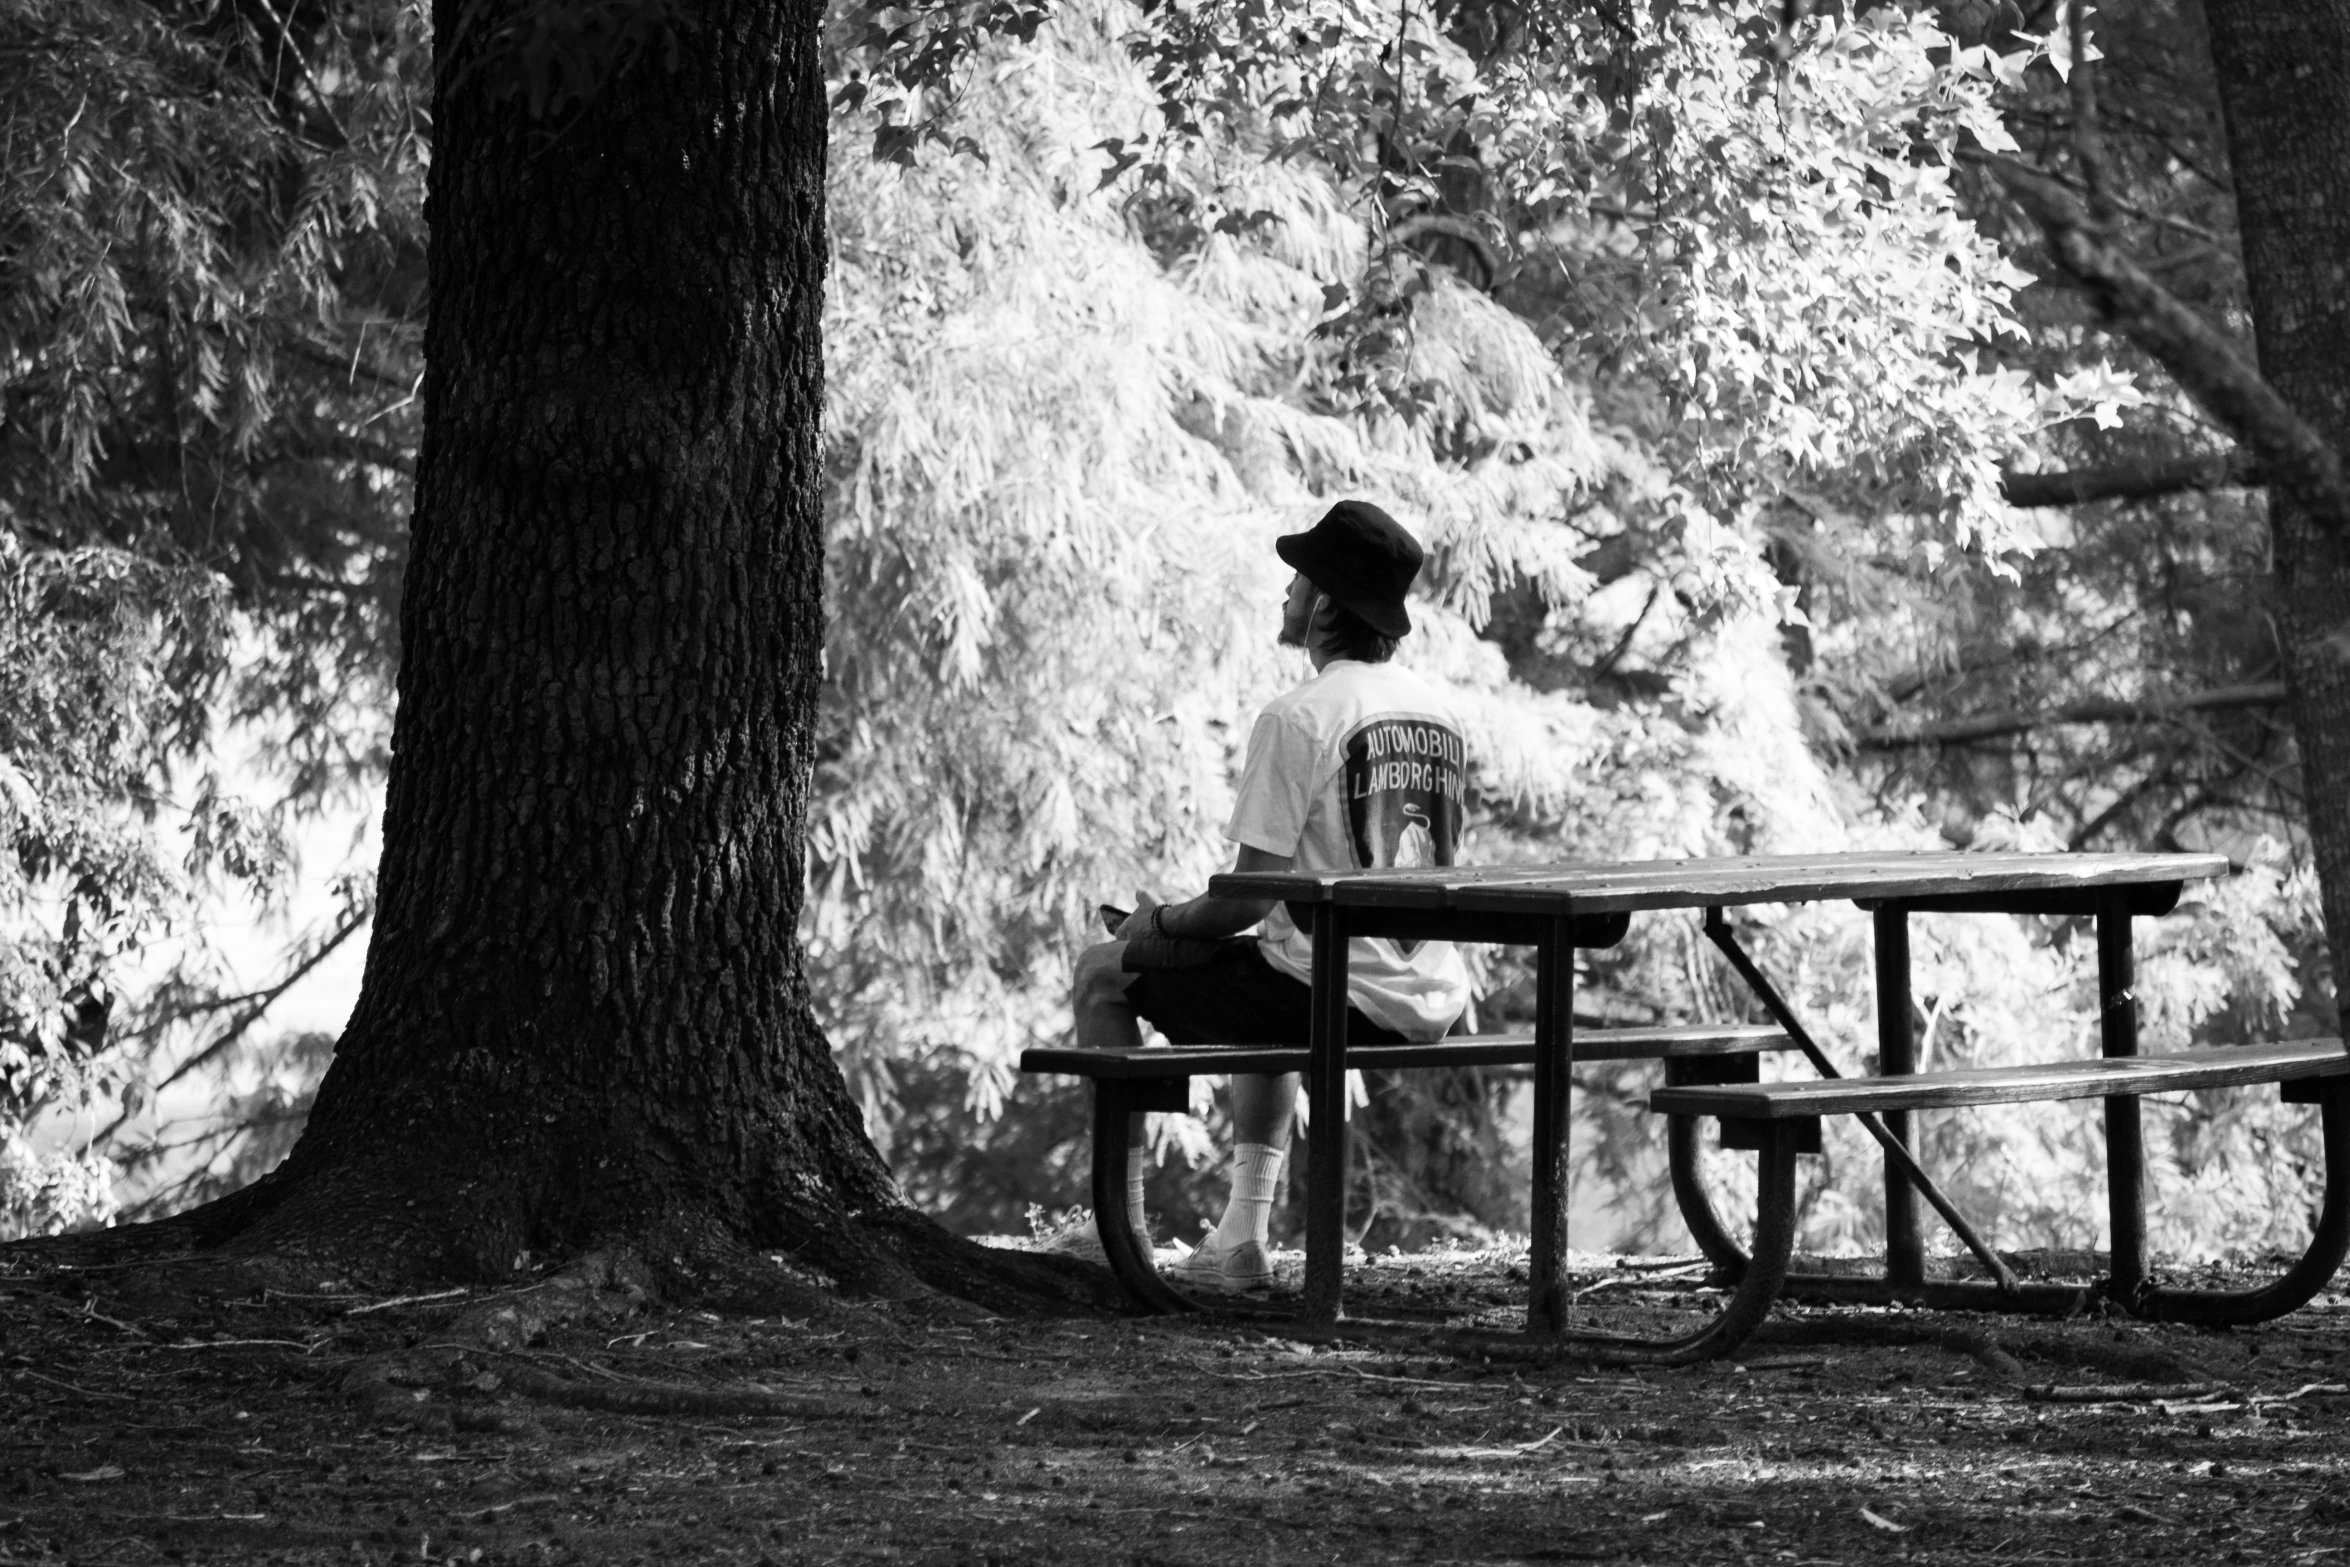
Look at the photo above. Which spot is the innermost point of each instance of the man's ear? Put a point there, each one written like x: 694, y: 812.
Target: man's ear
x: 1319, y: 619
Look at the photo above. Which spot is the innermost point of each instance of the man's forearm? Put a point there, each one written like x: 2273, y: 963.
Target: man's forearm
x: 1206, y: 917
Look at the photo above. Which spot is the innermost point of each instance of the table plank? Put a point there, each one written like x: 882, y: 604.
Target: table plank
x: 1593, y: 887
x: 2232, y: 1066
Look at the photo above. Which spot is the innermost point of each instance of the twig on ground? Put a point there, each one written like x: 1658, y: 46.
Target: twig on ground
x: 86, y: 1392
x: 2123, y: 1392
x: 2300, y: 1392
x: 404, y: 1300
x: 1342, y: 1371
x: 1650, y: 1276
x: 91, y: 1313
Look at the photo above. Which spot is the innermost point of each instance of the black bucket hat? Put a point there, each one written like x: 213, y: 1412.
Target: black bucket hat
x: 1361, y: 557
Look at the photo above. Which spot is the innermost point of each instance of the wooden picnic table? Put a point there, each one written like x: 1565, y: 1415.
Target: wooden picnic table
x: 1560, y: 907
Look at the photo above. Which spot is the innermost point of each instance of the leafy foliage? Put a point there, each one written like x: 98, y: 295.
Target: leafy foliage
x: 208, y: 289
x: 1690, y: 345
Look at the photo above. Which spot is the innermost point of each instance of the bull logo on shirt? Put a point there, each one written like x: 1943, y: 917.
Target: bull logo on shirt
x: 1405, y: 783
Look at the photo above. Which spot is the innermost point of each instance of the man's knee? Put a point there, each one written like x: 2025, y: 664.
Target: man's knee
x: 1101, y: 973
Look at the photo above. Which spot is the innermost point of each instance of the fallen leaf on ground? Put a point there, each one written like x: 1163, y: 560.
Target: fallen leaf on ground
x: 1880, y: 1521
x: 91, y: 1476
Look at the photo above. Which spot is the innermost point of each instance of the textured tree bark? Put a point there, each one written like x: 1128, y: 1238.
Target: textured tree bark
x: 583, y: 1023
x: 2283, y: 68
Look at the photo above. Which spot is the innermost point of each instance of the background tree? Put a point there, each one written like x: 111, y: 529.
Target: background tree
x: 584, y: 1023
x: 2284, y: 78
x: 209, y: 296
x: 1680, y: 229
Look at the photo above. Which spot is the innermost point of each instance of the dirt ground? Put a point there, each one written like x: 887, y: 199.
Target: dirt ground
x: 152, y: 1417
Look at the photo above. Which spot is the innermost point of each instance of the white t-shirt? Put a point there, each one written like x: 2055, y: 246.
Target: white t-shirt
x: 1360, y: 767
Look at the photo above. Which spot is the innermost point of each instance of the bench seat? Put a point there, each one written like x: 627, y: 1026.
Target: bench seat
x: 1127, y: 1080
x: 1781, y: 1120
x: 1663, y: 1043
x: 2282, y: 1061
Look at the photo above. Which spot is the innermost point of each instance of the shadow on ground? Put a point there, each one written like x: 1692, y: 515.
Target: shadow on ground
x: 330, y: 1424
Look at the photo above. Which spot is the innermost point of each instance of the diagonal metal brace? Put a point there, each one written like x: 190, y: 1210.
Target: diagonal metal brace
x: 1717, y: 929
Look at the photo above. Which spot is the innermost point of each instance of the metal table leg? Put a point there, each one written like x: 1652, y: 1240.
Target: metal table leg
x: 1554, y: 1061
x: 2125, y: 1145
x: 1905, y: 1247
x: 1326, y: 1099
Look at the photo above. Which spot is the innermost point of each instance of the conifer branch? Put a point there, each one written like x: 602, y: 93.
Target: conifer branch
x: 1995, y: 726
x: 2133, y: 481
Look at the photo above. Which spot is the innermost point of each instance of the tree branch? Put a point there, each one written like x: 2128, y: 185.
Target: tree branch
x: 256, y: 1004
x: 2153, y: 778
x: 2088, y: 136
x: 1454, y: 229
x: 350, y: 366
x: 1994, y: 726
x: 2211, y: 368
x: 2137, y: 482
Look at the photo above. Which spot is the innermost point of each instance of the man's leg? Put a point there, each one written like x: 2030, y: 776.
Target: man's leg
x: 1105, y: 1020
x: 1105, y: 1015
x: 1263, y: 1111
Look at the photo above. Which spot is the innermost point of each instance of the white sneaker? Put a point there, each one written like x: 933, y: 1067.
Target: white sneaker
x: 1224, y: 1265
x: 1080, y: 1240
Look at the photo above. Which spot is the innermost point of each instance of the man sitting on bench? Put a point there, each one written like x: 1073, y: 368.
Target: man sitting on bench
x: 1360, y: 767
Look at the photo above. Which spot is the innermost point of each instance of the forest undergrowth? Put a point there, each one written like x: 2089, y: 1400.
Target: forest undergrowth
x: 187, y: 1414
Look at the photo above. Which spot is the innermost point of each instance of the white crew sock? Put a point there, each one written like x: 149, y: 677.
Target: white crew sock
x: 1137, y: 1161
x: 1256, y: 1178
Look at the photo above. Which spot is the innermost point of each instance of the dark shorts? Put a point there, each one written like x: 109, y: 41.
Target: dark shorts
x: 1237, y: 998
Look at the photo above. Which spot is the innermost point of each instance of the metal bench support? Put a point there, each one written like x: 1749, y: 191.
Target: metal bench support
x: 1116, y: 1100
x: 1685, y: 1157
x: 2329, y: 1240
x: 1760, y: 1278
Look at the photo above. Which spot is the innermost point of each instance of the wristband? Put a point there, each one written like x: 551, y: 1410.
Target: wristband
x: 1158, y: 925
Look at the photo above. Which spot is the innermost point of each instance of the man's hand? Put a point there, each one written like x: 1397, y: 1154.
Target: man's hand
x: 1137, y: 926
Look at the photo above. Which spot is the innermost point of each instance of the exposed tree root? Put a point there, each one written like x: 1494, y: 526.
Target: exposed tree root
x: 603, y: 1288
x: 1012, y: 1283
x: 398, y: 1390
x: 803, y: 1264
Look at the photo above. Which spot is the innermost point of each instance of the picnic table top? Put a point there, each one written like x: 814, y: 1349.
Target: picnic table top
x: 1607, y: 887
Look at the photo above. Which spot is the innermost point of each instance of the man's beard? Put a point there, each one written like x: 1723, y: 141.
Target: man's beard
x: 1289, y: 638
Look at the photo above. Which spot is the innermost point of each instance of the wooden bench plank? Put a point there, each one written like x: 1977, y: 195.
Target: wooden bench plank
x: 1664, y: 1043
x: 2273, y: 1062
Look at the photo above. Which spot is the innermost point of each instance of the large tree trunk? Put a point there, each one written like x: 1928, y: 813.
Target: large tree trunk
x: 584, y: 1021
x: 2283, y: 69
